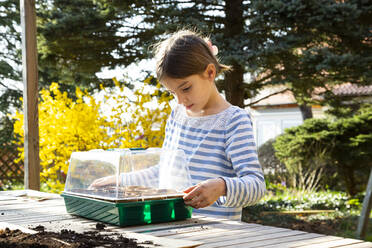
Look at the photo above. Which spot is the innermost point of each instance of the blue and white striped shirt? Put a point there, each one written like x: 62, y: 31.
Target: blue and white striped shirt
x: 220, y: 145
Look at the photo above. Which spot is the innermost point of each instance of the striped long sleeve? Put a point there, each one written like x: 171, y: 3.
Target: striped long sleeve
x: 248, y: 186
x: 148, y: 177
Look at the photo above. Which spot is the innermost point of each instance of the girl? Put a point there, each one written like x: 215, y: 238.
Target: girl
x: 216, y: 137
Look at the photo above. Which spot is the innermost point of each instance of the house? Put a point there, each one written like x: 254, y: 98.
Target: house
x: 275, y: 109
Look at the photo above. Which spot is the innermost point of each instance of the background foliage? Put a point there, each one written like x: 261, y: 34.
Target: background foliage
x: 310, y: 44
x: 274, y: 170
x: 303, y: 44
x: 68, y: 125
x: 342, y: 144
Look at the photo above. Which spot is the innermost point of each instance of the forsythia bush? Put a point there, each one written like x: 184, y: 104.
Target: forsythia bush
x: 66, y: 126
x: 140, y: 121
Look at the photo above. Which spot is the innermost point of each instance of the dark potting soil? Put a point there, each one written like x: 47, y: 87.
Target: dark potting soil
x: 63, y: 239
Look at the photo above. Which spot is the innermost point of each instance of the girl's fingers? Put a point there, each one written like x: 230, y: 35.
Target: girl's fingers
x: 101, y: 182
x: 191, y: 193
x: 194, y: 202
x: 195, y: 198
x: 188, y: 190
x: 200, y: 203
x: 190, y: 200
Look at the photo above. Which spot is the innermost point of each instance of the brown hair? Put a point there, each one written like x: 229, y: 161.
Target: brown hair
x: 183, y: 54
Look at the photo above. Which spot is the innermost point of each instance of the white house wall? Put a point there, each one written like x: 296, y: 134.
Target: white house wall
x: 268, y: 123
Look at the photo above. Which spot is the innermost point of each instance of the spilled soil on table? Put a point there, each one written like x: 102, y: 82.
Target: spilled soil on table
x: 63, y: 239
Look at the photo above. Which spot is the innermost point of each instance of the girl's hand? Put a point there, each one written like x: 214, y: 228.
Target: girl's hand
x: 104, y: 181
x: 205, y: 193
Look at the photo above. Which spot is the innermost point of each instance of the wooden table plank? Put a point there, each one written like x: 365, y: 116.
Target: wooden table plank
x: 228, y: 234
x: 26, y: 204
x: 163, y: 242
x: 183, y: 230
x: 23, y: 192
x: 213, y: 223
x: 205, y: 229
x: 22, y: 203
x: 196, y: 221
x: 277, y: 242
x: 8, y: 213
x: 299, y: 243
x: 334, y: 243
x: 248, y: 238
x: 38, y: 220
x: 360, y: 245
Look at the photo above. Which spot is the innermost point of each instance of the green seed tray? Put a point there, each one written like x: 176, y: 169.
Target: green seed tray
x: 128, y: 213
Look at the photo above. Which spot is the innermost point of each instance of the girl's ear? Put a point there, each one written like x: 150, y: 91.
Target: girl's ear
x: 210, y: 72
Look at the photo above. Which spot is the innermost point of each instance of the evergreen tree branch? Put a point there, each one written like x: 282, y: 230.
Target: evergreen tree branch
x: 265, y: 97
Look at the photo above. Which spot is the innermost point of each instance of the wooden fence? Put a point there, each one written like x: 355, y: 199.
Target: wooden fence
x: 9, y: 169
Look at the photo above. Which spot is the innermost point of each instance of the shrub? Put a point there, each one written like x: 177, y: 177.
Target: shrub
x: 345, y: 144
x: 281, y: 198
x: 274, y: 170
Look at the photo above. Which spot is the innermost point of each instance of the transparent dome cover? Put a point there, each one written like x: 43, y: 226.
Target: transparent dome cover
x: 128, y: 175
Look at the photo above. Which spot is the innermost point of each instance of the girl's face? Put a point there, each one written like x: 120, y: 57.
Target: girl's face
x: 196, y: 92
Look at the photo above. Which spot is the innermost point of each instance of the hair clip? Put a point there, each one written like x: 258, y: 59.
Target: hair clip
x: 213, y: 48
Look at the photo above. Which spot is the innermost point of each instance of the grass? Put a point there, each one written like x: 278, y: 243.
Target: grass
x: 342, y: 221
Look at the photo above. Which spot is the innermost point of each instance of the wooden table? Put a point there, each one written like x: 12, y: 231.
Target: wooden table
x: 29, y: 209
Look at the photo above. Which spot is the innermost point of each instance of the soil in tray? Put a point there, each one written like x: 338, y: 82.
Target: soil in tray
x: 63, y: 239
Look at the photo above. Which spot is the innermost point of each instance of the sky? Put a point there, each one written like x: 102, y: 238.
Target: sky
x: 132, y: 73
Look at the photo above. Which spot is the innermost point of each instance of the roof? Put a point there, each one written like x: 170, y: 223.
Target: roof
x: 269, y: 98
x: 349, y: 89
x: 282, y: 98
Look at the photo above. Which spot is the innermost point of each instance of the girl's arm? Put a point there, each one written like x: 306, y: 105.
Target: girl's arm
x: 146, y: 177
x: 248, y: 186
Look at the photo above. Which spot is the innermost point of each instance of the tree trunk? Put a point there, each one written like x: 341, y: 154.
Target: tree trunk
x: 234, y: 26
x: 306, y: 111
x: 233, y: 82
x: 348, y: 174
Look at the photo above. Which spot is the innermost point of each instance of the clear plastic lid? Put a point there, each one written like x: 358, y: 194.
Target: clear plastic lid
x: 128, y: 174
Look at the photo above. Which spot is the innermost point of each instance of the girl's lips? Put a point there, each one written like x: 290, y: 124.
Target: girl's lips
x: 190, y: 106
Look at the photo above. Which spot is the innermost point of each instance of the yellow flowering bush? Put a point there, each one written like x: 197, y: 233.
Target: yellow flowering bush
x: 139, y: 121
x: 67, y: 125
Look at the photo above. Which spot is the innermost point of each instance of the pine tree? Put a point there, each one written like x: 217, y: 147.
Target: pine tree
x: 310, y: 43
x: 79, y: 38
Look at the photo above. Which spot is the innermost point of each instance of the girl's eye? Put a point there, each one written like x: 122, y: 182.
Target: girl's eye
x: 186, y: 89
